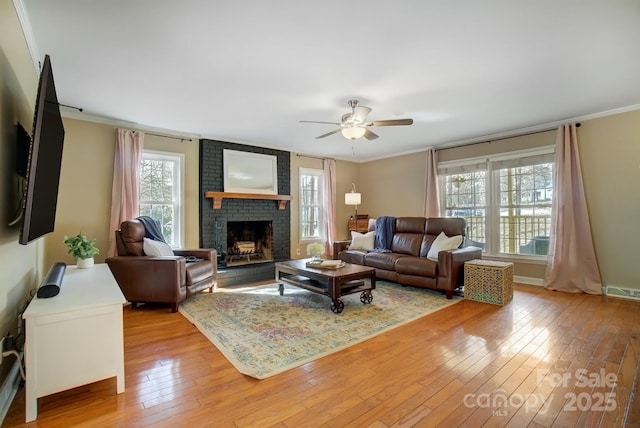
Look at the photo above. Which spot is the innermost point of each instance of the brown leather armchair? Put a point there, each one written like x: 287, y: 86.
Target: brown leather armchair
x: 167, y: 279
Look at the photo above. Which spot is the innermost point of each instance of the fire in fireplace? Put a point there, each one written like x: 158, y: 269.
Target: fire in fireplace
x: 249, y: 242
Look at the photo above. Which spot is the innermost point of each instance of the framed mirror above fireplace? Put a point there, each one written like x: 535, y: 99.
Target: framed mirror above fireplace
x: 246, y: 172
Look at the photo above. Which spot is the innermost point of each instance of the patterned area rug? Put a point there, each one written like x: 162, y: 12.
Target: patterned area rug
x: 263, y: 333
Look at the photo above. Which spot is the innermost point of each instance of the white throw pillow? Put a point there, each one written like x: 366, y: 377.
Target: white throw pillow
x: 156, y: 248
x: 443, y: 243
x: 360, y: 241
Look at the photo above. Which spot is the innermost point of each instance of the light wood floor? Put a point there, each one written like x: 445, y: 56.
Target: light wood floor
x: 544, y: 348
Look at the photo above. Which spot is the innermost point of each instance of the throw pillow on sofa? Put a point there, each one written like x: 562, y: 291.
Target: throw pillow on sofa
x: 362, y: 241
x: 156, y: 248
x: 443, y: 243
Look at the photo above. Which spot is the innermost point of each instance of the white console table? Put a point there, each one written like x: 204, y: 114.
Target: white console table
x: 76, y: 337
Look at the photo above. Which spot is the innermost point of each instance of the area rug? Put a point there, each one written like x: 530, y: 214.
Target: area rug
x: 262, y: 333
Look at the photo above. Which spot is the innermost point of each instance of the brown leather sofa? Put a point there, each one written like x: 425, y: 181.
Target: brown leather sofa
x: 407, y: 261
x: 165, y: 279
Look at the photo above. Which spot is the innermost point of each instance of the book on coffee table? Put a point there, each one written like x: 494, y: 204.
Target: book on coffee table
x: 326, y: 264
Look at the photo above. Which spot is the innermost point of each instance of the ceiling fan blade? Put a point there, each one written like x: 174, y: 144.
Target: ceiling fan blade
x: 315, y: 121
x: 392, y: 122
x: 370, y: 135
x: 329, y: 133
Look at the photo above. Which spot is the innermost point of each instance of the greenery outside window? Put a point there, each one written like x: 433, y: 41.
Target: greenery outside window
x: 312, y: 214
x: 505, y: 200
x: 161, y: 192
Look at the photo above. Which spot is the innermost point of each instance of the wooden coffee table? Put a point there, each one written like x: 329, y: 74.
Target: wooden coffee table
x: 333, y: 283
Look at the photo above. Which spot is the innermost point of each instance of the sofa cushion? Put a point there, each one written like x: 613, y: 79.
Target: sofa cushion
x: 362, y: 241
x: 410, y: 225
x: 386, y: 261
x: 406, y: 243
x: 353, y: 256
x: 443, y: 243
x: 427, y: 240
x: 417, y: 267
x: 199, y: 271
x: 450, y: 226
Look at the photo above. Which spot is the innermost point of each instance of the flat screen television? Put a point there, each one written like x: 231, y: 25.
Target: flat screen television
x: 44, y: 161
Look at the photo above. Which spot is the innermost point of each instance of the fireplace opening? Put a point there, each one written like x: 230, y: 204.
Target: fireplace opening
x: 249, y: 242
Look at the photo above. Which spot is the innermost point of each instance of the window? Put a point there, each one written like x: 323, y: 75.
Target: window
x: 161, y: 192
x: 312, y: 215
x: 465, y: 196
x: 525, y: 191
x: 505, y: 200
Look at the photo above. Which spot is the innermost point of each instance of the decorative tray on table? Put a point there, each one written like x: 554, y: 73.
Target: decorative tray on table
x: 326, y: 264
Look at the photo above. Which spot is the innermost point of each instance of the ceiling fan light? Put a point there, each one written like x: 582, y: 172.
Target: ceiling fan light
x: 360, y: 113
x: 353, y: 132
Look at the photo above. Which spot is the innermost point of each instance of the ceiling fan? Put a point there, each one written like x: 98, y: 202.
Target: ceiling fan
x: 354, y: 125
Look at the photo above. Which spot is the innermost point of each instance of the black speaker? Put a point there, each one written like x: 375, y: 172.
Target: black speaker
x: 51, y: 283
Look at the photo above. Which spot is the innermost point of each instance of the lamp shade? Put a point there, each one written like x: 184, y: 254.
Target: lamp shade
x: 353, y: 132
x: 352, y: 198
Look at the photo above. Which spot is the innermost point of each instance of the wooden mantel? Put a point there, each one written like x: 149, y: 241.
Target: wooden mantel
x: 217, y: 197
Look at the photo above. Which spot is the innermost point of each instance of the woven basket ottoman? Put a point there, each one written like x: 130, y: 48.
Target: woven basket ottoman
x: 488, y: 281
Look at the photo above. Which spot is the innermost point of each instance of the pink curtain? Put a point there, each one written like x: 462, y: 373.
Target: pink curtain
x: 329, y: 166
x: 571, y: 265
x: 432, y: 195
x: 124, y: 192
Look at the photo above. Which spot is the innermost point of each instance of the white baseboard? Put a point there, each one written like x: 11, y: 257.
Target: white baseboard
x: 608, y: 290
x: 9, y: 389
x: 528, y: 280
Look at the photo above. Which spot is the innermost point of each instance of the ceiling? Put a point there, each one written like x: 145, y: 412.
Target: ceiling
x: 248, y: 71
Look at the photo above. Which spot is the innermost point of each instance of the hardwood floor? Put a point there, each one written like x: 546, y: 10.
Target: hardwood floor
x: 547, y: 359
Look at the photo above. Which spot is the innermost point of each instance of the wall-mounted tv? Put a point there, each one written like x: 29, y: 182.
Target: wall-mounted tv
x: 44, y: 161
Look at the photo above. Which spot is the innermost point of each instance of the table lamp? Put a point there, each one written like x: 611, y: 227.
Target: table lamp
x: 353, y: 198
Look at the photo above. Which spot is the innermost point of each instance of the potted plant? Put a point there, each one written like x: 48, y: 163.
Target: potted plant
x: 82, y: 249
x: 315, y: 250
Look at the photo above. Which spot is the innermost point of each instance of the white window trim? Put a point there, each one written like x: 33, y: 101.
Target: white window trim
x: 323, y: 229
x: 493, y: 223
x: 157, y: 154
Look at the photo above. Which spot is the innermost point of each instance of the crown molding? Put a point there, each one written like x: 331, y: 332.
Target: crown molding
x: 549, y: 126
x: 536, y: 128
x: 87, y: 117
x: 27, y: 31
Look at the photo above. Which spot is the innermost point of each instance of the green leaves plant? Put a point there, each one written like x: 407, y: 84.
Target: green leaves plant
x: 80, y: 246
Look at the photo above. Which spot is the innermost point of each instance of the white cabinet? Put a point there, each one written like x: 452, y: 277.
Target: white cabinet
x: 76, y: 337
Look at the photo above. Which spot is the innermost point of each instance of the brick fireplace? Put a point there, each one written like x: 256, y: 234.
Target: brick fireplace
x: 220, y: 226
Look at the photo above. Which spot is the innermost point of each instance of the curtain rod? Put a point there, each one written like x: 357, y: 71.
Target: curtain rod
x: 528, y: 133
x: 168, y: 136
x: 312, y: 157
x: 506, y: 137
